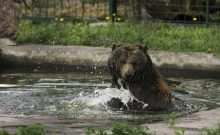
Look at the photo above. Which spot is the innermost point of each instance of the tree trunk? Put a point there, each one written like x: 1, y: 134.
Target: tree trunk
x: 10, y: 14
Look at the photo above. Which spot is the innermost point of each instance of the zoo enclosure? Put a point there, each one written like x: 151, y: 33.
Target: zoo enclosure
x: 181, y: 11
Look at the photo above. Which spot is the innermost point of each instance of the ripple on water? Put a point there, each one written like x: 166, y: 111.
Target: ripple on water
x: 7, y: 85
x: 85, y: 96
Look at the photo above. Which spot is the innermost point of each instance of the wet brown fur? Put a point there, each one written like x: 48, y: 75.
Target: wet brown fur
x: 133, y: 65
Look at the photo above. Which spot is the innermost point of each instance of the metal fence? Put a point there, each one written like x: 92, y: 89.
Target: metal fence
x: 69, y: 10
x: 176, y: 11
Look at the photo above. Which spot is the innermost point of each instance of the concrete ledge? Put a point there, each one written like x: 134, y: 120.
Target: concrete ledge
x: 96, y: 57
x: 192, y: 124
x: 6, y: 41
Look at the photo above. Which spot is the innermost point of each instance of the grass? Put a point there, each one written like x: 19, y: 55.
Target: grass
x: 120, y: 129
x: 117, y: 129
x: 34, y: 129
x: 208, y: 131
x: 158, y: 36
x: 171, y: 121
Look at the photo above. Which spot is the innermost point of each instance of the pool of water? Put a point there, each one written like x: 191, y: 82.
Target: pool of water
x: 85, y: 95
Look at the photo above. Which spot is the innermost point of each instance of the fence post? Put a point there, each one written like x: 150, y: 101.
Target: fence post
x: 207, y: 13
x: 112, y: 9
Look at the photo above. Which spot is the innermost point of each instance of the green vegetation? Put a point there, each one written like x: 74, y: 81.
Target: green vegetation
x: 3, y: 132
x: 120, y: 129
x: 158, y: 36
x: 207, y: 131
x: 171, y: 121
x: 117, y: 129
x: 34, y: 129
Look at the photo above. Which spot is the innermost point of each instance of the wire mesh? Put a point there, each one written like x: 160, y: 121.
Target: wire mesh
x: 187, y: 11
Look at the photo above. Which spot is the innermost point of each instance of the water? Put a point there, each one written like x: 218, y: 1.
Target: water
x: 84, y: 96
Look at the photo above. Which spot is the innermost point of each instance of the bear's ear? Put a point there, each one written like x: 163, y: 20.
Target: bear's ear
x: 114, y: 46
x: 143, y: 47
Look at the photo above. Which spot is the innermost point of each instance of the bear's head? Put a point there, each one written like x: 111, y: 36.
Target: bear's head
x: 131, y: 62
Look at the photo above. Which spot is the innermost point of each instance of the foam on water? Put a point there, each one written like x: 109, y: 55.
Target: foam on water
x: 96, y: 102
x: 100, y: 97
x: 7, y: 85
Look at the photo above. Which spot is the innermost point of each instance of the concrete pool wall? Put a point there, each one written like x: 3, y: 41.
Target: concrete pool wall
x: 96, y: 57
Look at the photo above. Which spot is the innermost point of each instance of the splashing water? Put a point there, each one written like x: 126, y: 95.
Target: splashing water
x: 132, y: 97
x: 98, y: 100
x: 85, y: 96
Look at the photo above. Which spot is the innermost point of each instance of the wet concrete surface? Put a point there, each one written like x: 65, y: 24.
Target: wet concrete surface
x: 54, y: 125
x: 192, y: 124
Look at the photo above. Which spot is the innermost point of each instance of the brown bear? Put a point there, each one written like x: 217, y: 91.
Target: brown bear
x: 131, y: 67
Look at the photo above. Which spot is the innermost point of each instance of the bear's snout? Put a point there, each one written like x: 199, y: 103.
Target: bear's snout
x: 127, y: 71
